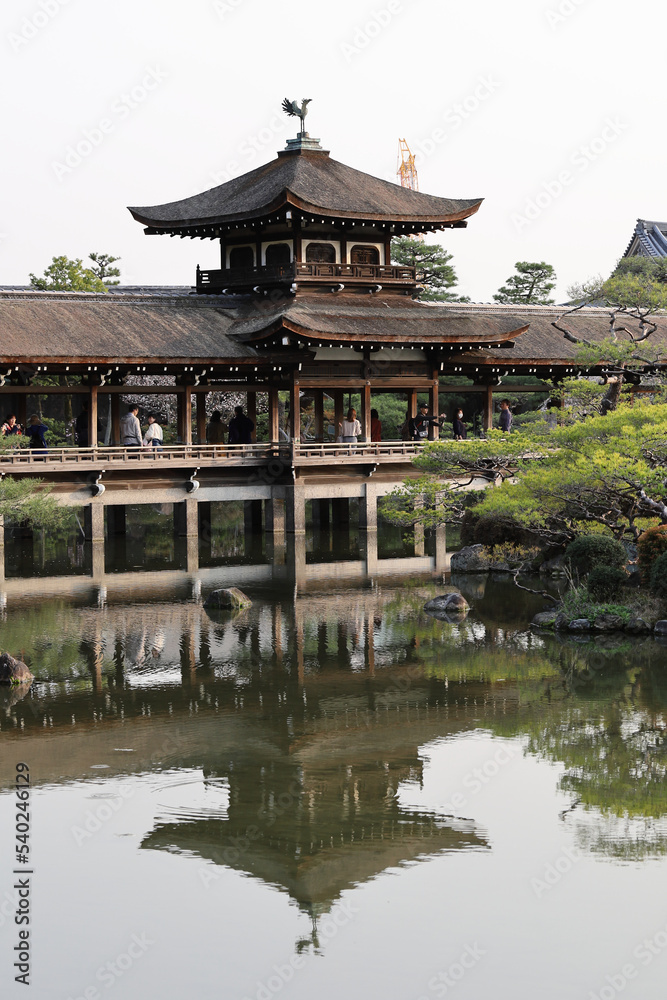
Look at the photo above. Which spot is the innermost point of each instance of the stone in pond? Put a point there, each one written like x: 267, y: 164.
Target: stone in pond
x: 637, y: 626
x: 448, y: 602
x: 608, y: 623
x: 13, y: 671
x: 228, y: 598
x: 661, y: 627
x: 579, y: 625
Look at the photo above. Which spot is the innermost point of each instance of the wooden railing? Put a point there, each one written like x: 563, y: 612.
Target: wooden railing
x: 248, y: 277
x: 290, y: 453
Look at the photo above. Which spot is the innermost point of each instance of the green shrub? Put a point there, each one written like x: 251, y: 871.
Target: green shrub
x: 588, y: 551
x: 605, y: 583
x: 651, y: 544
x: 659, y: 576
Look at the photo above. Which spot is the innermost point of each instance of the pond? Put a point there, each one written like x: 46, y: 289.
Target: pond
x: 330, y: 794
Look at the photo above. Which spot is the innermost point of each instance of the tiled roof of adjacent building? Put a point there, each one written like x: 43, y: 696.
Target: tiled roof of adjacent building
x: 648, y: 240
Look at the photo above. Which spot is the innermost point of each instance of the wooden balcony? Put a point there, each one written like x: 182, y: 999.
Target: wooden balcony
x: 304, y: 274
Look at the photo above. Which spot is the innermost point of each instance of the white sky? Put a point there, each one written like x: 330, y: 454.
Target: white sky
x: 539, y: 82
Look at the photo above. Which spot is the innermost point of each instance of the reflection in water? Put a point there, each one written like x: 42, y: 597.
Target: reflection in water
x: 312, y: 713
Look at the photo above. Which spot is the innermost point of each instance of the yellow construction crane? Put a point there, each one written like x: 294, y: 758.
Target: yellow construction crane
x: 406, y: 169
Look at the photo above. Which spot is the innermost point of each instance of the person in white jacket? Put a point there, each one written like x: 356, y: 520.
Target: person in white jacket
x: 153, y: 435
x: 130, y: 428
x: 350, y: 428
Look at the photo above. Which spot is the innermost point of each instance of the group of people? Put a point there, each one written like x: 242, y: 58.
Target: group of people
x: 35, y: 431
x: 131, y: 434
x: 504, y: 421
x: 416, y: 428
x: 238, y: 431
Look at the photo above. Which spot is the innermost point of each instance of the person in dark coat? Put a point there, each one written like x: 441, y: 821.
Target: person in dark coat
x: 376, y: 426
x: 505, y: 418
x: 240, y: 427
x: 36, y: 432
x: 81, y: 427
x: 458, y: 427
x: 420, y: 424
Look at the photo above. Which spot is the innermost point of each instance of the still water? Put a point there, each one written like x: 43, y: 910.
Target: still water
x: 331, y: 795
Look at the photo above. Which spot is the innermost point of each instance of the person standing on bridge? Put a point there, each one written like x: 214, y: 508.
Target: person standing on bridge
x: 420, y: 424
x: 240, y: 427
x: 153, y: 436
x: 505, y: 418
x: 36, y: 432
x: 130, y: 428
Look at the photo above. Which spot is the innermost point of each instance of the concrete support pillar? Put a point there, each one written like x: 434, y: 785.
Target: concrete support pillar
x: 274, y: 516
x: 117, y: 519
x: 366, y: 412
x: 441, y: 548
x: 252, y: 517
x: 185, y: 519
x: 274, y: 421
x: 340, y: 512
x: 368, y: 541
x: 295, y: 509
x: 368, y: 508
x: 115, y: 418
x: 98, y: 565
x: 201, y: 418
x: 92, y: 417
x: 319, y: 415
x: 251, y: 411
x: 93, y: 521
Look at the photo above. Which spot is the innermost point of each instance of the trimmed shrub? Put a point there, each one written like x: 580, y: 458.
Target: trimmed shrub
x: 651, y: 544
x: 659, y: 576
x: 605, y: 583
x: 588, y: 551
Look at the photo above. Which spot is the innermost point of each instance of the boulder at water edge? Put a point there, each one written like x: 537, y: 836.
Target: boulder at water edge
x: 471, y: 559
x: 13, y: 671
x: 229, y: 598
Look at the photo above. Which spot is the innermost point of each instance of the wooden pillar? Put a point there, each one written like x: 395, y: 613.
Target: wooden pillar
x: 21, y: 411
x: 251, y: 410
x: 201, y: 418
x: 274, y: 436
x: 412, y: 403
x: 115, y: 418
x: 187, y: 415
x: 434, y: 430
x: 338, y: 411
x: 92, y: 417
x: 295, y: 413
x: 366, y: 412
x: 319, y: 414
x: 487, y: 423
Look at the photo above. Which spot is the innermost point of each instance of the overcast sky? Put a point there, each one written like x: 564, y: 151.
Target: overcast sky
x: 549, y: 109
